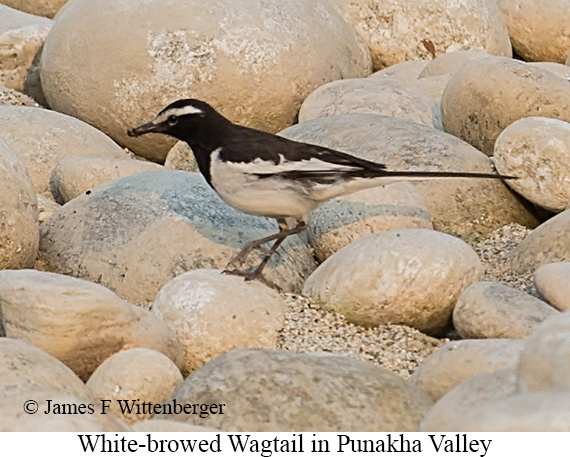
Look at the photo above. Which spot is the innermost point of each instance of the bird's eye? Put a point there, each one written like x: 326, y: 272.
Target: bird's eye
x: 172, y: 120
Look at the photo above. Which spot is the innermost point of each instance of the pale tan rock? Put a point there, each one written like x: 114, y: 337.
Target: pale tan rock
x: 22, y: 36
x: 400, y: 30
x: 471, y: 393
x: 544, y: 364
x: 558, y: 69
x: 268, y: 390
x: 553, y: 282
x: 532, y: 412
x: 343, y: 220
x: 406, y: 71
x: 434, y: 86
x: 158, y: 425
x: 74, y: 175
x: 47, y: 8
x: 367, y: 96
x: 25, y: 367
x: 78, y: 418
x: 484, y: 97
x: 254, y: 60
x: 546, y: 244
x: 46, y: 207
x: 450, y: 63
x: 494, y: 310
x: 537, y: 151
x: 457, y: 361
x: 469, y: 208
x: 13, y: 97
x: 42, y: 138
x: 133, y: 377
x: 170, y: 222
x: 213, y: 313
x: 412, y: 277
x: 181, y: 157
x: 19, y: 236
x: 78, y: 322
x: 538, y: 30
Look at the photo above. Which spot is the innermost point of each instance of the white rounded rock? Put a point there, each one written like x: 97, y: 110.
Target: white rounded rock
x: 388, y: 96
x: 538, y: 30
x: 457, y: 361
x: 537, y: 151
x: 399, y: 30
x: 547, y: 243
x: 42, y: 138
x: 21, y: 39
x: 74, y: 175
x: 24, y: 367
x: 450, y: 63
x: 487, y: 95
x: 406, y: 72
x: 254, y: 60
x: 532, y: 412
x: 78, y: 322
x: 553, y: 282
x: 19, y: 229
x: 345, y: 219
x: 213, y: 313
x: 133, y: 376
x: 493, y: 310
x: 545, y: 362
x: 471, y: 393
x: 412, y: 277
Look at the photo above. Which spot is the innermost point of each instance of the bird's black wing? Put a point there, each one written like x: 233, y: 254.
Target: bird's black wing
x: 293, y: 159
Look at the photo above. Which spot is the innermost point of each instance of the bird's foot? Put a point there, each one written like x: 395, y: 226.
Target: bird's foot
x: 242, y: 256
x: 252, y: 275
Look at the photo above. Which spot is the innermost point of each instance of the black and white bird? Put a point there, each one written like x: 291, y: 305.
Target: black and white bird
x: 266, y: 175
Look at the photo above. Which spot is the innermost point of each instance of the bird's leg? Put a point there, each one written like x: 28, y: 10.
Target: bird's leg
x: 284, y: 232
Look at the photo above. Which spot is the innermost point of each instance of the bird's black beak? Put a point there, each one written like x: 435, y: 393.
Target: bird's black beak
x: 149, y: 127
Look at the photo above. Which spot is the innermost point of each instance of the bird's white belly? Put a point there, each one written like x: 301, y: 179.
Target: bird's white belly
x: 270, y: 197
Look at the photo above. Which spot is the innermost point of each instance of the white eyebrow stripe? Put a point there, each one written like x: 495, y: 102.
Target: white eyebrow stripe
x: 189, y: 109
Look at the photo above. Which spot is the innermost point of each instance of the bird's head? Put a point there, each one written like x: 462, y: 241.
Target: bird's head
x: 179, y: 119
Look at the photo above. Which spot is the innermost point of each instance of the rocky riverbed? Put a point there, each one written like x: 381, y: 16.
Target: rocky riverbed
x: 425, y: 305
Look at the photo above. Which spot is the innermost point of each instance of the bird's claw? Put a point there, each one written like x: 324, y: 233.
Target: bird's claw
x: 252, y: 275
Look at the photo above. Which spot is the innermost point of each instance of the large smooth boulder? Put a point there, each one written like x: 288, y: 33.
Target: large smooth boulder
x: 494, y: 310
x: 552, y: 281
x: 412, y: 277
x: 537, y: 151
x: 135, y: 234
x: 547, y: 243
x: 469, y: 208
x: 545, y: 362
x: 214, y: 313
x: 43, y: 137
x: 19, y: 230
x: 26, y: 368
x: 487, y: 95
x: 385, y: 96
x: 78, y: 322
x: 457, y: 361
x: 538, y: 30
x: 22, y: 36
x: 265, y: 390
x: 131, y: 378
x: 400, y: 30
x: 254, y: 60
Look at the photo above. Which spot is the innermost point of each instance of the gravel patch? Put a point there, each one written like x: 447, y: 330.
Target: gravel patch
x: 398, y: 348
